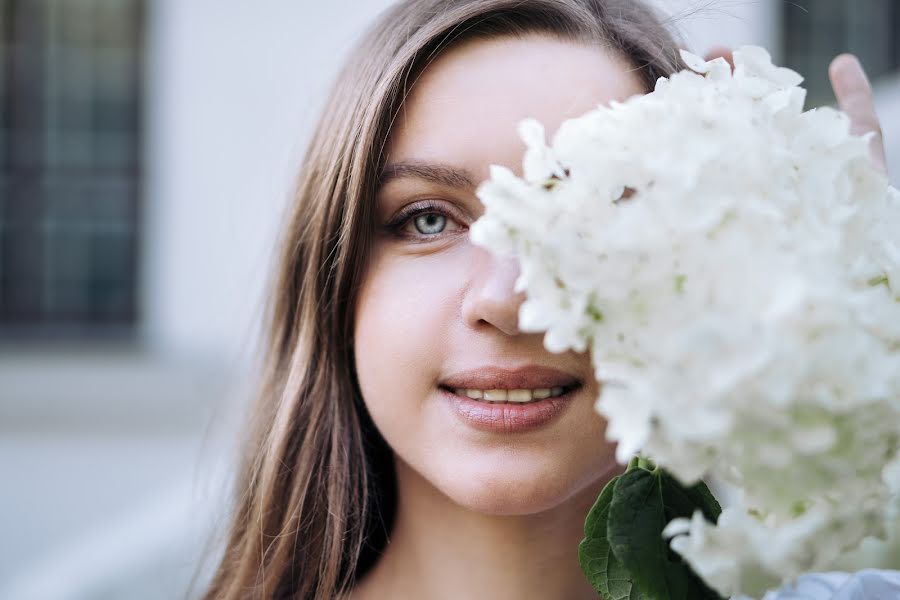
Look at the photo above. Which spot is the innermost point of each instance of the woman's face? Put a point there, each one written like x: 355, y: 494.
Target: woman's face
x: 436, y: 311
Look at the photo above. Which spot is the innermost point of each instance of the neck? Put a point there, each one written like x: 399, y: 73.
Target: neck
x: 439, y: 549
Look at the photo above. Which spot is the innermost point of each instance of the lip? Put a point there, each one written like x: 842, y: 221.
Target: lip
x: 497, y: 378
x: 508, y: 417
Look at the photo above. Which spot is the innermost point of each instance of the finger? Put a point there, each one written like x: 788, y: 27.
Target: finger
x: 854, y: 97
x: 720, y: 52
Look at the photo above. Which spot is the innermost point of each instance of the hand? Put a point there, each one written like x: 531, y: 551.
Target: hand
x: 854, y: 96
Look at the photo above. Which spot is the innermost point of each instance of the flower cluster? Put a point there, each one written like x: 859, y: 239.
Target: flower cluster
x: 733, y: 265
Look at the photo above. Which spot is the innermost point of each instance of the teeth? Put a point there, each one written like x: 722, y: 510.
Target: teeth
x: 516, y: 396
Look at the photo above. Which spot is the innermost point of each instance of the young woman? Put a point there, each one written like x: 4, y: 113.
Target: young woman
x: 389, y: 455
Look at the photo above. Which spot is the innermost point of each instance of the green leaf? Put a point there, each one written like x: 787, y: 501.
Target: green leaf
x: 635, y: 522
x: 602, y: 569
x: 642, y: 503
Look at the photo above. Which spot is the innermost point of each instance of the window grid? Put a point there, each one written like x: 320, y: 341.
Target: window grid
x: 69, y: 164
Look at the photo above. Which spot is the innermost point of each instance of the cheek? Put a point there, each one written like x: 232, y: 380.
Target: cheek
x: 404, y: 309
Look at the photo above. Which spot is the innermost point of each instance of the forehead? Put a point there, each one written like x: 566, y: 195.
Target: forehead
x: 464, y: 108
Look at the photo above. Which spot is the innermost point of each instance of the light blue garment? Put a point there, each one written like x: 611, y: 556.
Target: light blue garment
x: 870, y: 584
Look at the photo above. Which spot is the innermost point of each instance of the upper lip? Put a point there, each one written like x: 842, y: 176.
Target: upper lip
x: 497, y: 378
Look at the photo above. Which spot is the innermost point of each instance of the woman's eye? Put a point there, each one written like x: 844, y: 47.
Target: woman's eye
x: 425, y: 223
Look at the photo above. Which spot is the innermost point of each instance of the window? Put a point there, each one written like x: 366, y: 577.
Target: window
x: 817, y: 31
x: 69, y: 165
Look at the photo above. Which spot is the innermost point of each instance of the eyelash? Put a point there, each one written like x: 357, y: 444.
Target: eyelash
x: 412, y: 211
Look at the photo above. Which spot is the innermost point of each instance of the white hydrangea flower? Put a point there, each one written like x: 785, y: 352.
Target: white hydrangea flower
x: 733, y: 265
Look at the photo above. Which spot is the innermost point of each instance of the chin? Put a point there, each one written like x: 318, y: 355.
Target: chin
x: 516, y: 490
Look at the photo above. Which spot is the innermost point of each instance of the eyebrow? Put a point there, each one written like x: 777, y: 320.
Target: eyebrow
x: 434, y: 172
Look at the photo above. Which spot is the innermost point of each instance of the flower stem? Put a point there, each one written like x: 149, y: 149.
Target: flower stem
x: 640, y: 462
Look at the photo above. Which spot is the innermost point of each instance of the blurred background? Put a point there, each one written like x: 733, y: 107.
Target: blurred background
x: 147, y: 149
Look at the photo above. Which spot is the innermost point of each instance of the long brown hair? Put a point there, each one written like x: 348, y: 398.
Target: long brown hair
x: 315, y: 493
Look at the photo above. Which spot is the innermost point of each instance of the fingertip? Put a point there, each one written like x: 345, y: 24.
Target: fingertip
x: 843, y: 62
x: 845, y: 56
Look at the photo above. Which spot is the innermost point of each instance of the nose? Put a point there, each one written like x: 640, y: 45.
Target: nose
x: 490, y: 299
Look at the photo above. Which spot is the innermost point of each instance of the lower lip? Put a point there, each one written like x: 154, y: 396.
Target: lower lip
x: 507, y: 417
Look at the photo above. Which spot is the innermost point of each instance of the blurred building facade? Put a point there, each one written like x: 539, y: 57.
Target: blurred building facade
x: 147, y: 150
